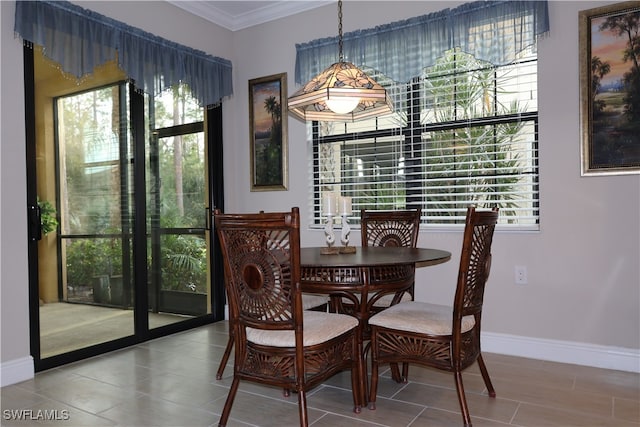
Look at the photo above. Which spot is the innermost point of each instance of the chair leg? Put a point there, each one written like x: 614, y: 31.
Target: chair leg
x: 356, y: 388
x: 485, y: 376
x: 395, y: 373
x: 462, y: 399
x: 229, y: 402
x: 361, y: 376
x: 364, y: 374
x: 302, y: 408
x: 335, y: 304
x: 225, y: 357
x: 373, y: 389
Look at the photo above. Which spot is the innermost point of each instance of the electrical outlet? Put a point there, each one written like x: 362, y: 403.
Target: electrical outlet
x: 520, y: 274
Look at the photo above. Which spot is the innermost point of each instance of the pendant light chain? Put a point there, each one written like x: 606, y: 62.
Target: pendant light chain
x: 340, y: 93
x: 341, y: 57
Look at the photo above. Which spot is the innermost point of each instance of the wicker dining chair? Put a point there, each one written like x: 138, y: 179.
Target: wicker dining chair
x: 442, y: 337
x: 315, y: 302
x: 397, y: 228
x: 385, y: 228
x: 390, y: 228
x: 276, y: 341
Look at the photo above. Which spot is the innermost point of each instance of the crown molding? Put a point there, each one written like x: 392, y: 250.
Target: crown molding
x: 271, y: 11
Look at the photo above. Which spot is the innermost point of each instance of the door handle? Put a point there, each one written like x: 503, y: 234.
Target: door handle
x: 35, y: 223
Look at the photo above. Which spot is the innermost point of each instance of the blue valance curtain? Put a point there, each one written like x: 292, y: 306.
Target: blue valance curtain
x: 494, y: 31
x: 80, y: 39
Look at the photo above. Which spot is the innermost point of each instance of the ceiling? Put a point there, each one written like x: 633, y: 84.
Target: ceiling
x: 239, y: 14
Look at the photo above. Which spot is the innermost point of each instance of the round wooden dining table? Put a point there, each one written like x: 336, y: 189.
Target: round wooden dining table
x: 368, y: 274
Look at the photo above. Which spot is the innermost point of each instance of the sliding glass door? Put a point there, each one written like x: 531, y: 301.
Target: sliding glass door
x: 123, y: 189
x: 176, y: 197
x: 92, y: 298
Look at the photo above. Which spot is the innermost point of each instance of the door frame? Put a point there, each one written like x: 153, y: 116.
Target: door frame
x: 213, y: 132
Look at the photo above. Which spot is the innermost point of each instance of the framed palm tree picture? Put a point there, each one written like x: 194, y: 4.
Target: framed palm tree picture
x: 268, y: 129
x: 610, y: 89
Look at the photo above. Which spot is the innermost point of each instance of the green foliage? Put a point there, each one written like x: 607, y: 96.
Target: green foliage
x: 461, y: 87
x: 190, y: 212
x: 88, y: 258
x: 48, y: 219
x: 183, y: 264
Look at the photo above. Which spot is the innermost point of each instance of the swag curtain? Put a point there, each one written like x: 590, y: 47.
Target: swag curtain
x: 494, y: 31
x: 80, y: 39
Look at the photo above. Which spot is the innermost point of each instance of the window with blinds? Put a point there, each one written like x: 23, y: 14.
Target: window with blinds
x: 464, y: 132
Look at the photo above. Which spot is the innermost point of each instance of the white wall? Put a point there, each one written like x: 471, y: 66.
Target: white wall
x: 14, y: 310
x: 582, y: 303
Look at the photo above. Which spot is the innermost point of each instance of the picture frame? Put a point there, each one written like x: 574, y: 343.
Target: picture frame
x: 268, y: 133
x: 609, y: 90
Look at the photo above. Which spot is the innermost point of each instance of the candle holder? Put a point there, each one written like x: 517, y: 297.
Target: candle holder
x: 344, y: 236
x: 330, y: 237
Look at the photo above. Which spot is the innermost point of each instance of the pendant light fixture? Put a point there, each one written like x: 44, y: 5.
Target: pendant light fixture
x: 341, y: 93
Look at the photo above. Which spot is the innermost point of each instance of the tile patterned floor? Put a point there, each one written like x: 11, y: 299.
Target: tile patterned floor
x: 171, y: 382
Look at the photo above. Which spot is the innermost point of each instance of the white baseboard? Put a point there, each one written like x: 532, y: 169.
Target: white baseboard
x: 618, y: 358
x: 15, y: 371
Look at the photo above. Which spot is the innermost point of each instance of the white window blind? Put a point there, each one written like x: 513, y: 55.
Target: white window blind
x: 464, y: 132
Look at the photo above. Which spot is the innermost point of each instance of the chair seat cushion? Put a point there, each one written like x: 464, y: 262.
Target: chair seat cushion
x: 313, y: 300
x: 319, y: 327
x: 420, y: 317
x: 386, y: 300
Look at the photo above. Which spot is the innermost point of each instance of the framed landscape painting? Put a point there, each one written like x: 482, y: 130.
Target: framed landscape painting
x: 610, y: 89
x: 268, y: 130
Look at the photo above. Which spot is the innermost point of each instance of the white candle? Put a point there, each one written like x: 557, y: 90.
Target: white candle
x: 345, y: 206
x: 329, y: 204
